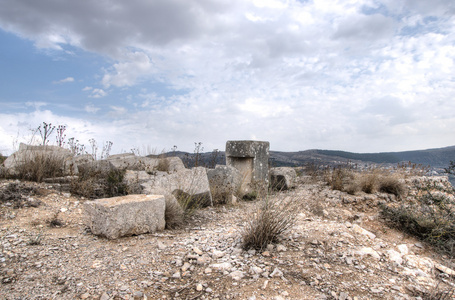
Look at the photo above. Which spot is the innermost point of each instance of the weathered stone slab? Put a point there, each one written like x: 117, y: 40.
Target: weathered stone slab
x: 192, y: 182
x: 251, y: 158
x: 282, y: 178
x: 127, y: 215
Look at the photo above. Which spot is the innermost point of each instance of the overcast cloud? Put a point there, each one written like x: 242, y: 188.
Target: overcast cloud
x: 358, y: 75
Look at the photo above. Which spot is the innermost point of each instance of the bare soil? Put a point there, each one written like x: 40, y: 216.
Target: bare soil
x: 48, y: 253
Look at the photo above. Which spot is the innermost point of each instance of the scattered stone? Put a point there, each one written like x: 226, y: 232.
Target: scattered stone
x: 276, y: 273
x: 237, y: 275
x: 368, y: 251
x: 281, y: 248
x: 362, y: 231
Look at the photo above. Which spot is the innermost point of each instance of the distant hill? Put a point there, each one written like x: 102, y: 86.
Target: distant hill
x: 436, y: 158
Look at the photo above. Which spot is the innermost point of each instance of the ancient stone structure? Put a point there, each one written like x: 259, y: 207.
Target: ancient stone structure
x: 126, y: 215
x: 251, y: 158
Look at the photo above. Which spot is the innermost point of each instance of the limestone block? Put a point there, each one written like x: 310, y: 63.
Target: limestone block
x: 224, y: 181
x: 127, y: 215
x: 251, y: 158
x: 192, y: 182
x: 282, y: 178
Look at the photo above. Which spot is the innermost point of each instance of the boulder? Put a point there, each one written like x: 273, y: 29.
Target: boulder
x: 71, y: 164
x: 282, y: 178
x: 175, y: 164
x: 127, y: 215
x: 225, y: 181
x: 192, y: 183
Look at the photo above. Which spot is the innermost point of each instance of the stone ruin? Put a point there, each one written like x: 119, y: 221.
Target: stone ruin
x: 251, y: 158
x: 246, y: 173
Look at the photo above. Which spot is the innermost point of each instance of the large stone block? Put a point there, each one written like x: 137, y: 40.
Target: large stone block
x: 251, y: 158
x: 123, y: 216
x: 225, y: 181
x: 191, y: 182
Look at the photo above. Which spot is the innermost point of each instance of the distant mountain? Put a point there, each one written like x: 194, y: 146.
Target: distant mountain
x: 436, y: 158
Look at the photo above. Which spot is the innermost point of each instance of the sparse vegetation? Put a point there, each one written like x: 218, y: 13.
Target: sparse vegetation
x: 163, y: 163
x: 35, y: 240
x: 17, y: 194
x: 430, y: 217
x: 451, y: 168
x: 38, y: 166
x: 370, y: 181
x: 273, y: 217
x: 55, y: 221
x: 99, y: 182
x: 174, y: 214
x: 439, y: 291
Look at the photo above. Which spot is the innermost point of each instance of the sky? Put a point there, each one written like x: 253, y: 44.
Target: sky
x: 148, y: 75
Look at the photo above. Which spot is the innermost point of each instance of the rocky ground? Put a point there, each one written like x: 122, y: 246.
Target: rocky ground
x: 338, y: 249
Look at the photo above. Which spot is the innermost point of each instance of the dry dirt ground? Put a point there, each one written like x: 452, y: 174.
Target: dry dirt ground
x: 338, y: 249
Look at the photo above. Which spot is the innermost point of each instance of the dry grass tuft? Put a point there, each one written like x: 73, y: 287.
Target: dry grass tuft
x: 40, y: 166
x: 273, y: 217
x: 174, y: 214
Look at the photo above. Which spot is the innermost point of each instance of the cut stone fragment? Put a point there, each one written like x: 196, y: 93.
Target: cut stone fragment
x: 127, y: 215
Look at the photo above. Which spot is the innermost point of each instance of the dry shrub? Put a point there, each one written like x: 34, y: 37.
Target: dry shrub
x: 38, y: 166
x: 163, y: 163
x: 94, y: 182
x: 392, y: 184
x: 368, y: 181
x: 431, y: 217
x: 55, y: 221
x: 273, y: 217
x: 174, y: 214
x: 340, y: 177
x: 17, y: 194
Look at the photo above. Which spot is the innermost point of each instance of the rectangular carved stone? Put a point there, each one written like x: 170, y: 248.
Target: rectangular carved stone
x: 127, y: 215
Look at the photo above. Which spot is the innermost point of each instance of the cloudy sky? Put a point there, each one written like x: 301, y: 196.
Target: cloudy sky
x: 354, y: 75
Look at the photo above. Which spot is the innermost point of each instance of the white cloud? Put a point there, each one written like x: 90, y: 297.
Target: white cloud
x: 90, y: 108
x: 356, y: 75
x: 94, y: 92
x: 65, y: 80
